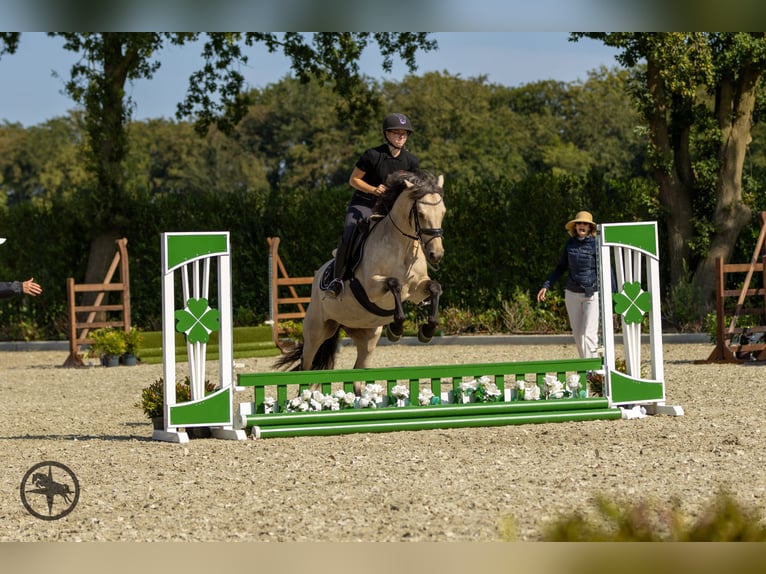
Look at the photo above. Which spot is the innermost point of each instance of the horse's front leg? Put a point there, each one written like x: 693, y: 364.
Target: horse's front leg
x: 426, y: 331
x: 395, y: 329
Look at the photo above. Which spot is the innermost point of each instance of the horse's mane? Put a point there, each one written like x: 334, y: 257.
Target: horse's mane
x: 423, y: 183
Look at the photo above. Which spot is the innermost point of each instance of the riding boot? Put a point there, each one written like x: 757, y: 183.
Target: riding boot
x: 336, y: 285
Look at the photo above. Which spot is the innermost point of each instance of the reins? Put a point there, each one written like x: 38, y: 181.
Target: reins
x: 433, y: 232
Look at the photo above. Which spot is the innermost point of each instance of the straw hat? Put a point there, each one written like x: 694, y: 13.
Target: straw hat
x: 581, y: 217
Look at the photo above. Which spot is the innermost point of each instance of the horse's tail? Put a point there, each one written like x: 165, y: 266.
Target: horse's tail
x: 291, y: 357
x: 323, y: 360
x: 325, y: 357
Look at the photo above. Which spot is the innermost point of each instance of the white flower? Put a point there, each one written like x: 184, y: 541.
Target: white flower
x: 400, y: 391
x: 303, y: 406
x: 348, y: 399
x: 553, y: 387
x: 485, y: 380
x: 268, y: 404
x: 521, y: 385
x: 532, y: 393
x: 373, y: 392
x: 366, y: 403
x: 574, y: 384
x: 306, y: 394
x: 490, y: 389
x: 317, y: 396
x: 425, y: 396
x: 468, y: 386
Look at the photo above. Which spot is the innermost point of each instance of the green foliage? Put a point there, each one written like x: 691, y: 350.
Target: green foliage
x: 723, y: 520
x: 153, y: 396
x: 108, y: 341
x: 519, y: 315
x: 293, y: 330
x: 682, y: 307
x: 133, y: 340
x: 510, y: 187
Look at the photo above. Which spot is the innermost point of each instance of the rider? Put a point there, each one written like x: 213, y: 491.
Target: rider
x: 371, y: 170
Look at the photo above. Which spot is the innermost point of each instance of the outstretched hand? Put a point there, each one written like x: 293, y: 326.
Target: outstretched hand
x: 29, y: 287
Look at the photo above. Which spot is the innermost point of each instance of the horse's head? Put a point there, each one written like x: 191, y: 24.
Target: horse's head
x: 422, y: 194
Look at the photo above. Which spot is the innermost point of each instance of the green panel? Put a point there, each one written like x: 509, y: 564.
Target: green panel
x: 186, y: 247
x: 627, y: 389
x: 213, y: 409
x: 639, y: 235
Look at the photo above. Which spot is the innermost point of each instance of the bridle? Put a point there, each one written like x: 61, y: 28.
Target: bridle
x: 432, y: 232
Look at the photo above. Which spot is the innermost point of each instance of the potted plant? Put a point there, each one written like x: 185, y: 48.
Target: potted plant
x: 110, y: 344
x: 133, y: 339
x: 153, y: 398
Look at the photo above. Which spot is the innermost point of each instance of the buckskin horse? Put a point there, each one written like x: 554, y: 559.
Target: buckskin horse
x: 404, y: 239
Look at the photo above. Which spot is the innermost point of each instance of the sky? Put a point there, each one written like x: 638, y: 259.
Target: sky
x: 33, y: 78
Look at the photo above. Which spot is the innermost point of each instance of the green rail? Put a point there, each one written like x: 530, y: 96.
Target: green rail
x: 283, y: 424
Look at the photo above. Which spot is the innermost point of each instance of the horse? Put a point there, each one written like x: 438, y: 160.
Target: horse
x: 403, y: 241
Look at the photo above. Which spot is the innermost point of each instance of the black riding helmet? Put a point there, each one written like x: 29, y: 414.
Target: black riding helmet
x: 396, y: 122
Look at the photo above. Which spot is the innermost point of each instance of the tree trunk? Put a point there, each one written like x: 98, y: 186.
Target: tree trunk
x: 735, y: 102
x: 100, y: 256
x: 672, y: 173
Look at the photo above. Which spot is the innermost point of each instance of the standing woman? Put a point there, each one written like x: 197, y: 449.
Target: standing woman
x: 370, y: 171
x: 581, y: 291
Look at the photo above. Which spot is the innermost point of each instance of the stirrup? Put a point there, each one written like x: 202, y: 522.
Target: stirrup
x: 335, y: 288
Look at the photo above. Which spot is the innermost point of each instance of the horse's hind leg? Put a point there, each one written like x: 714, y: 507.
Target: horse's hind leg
x: 426, y: 331
x: 395, y: 329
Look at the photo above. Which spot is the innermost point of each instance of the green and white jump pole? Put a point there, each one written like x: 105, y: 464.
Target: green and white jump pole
x: 631, y: 252
x: 198, y: 260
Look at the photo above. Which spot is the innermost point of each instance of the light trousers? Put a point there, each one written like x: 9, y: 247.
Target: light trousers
x: 584, y: 320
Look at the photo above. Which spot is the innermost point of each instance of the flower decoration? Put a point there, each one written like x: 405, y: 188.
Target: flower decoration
x: 574, y: 385
x: 554, y: 388
x: 269, y: 403
x: 372, y: 395
x: 520, y: 388
x: 532, y: 393
x: 400, y: 394
x: 427, y: 397
x: 482, y: 390
x: 465, y: 391
x: 487, y: 391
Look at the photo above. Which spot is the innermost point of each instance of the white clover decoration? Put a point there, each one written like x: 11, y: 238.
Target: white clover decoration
x: 268, y: 405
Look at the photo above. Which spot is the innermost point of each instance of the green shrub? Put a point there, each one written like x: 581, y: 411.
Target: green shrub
x: 153, y: 396
x: 724, y: 520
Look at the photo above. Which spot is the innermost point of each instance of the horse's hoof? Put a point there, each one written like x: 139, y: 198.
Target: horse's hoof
x: 422, y: 337
x: 393, y: 337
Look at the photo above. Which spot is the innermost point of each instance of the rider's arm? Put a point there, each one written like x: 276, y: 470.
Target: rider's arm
x: 358, y: 183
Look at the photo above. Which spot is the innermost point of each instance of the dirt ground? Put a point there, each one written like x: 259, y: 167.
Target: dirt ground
x: 438, y: 486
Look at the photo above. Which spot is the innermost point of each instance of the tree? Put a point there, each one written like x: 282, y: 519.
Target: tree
x: 697, y: 93
x: 216, y: 94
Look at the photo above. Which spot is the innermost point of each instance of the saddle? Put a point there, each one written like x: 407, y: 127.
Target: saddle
x: 354, y: 251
